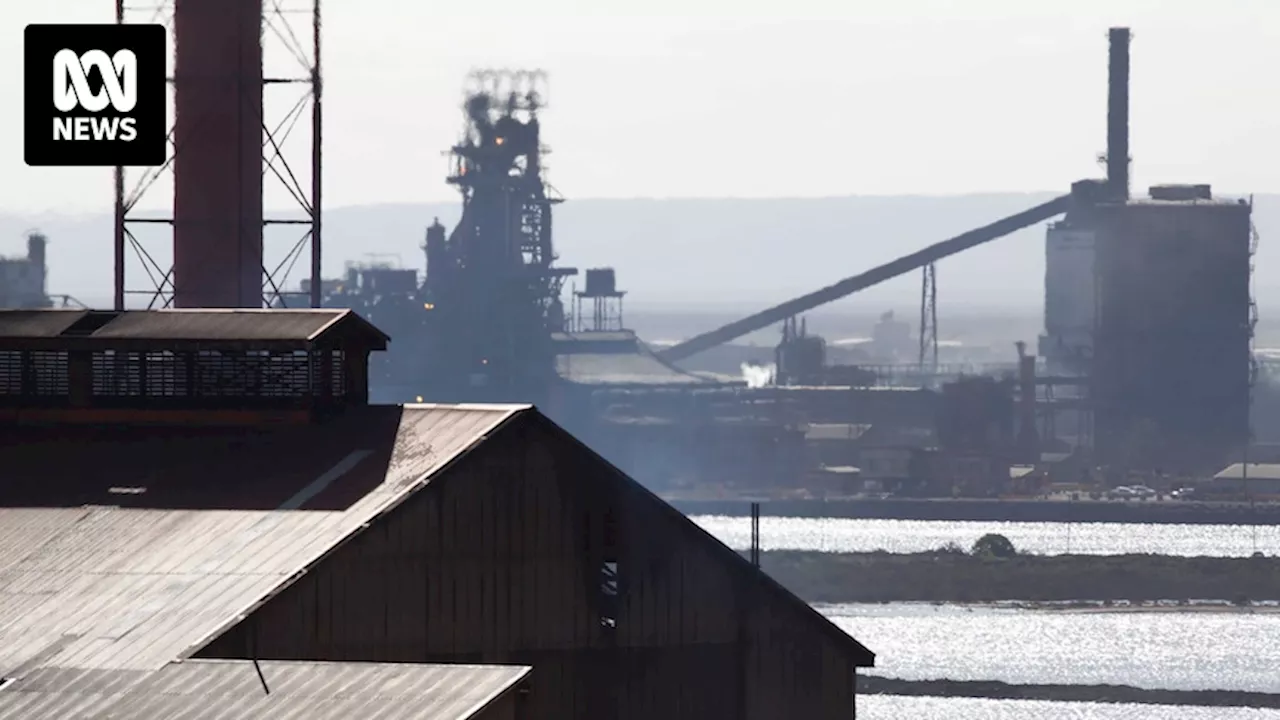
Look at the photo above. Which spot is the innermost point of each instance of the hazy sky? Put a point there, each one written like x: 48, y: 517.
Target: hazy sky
x: 902, y: 96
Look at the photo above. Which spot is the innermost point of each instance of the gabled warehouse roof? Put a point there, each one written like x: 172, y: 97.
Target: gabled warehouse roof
x: 233, y: 690
x: 87, y: 586
x: 123, y: 550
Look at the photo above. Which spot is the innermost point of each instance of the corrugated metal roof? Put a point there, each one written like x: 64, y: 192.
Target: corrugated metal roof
x: 185, y: 325
x: 37, y: 323
x: 131, y: 588
x: 222, y: 324
x: 233, y: 690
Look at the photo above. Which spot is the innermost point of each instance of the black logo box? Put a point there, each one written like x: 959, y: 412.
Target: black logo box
x: 148, y: 43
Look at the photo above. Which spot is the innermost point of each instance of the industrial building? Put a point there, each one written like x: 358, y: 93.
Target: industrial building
x: 187, y: 488
x: 1148, y: 308
x: 1070, y: 299
x: 1171, y: 369
x: 488, y: 320
x: 23, y: 279
x: 1149, y: 299
x: 1256, y: 481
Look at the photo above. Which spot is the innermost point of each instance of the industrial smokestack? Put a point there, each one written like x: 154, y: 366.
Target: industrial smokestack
x: 1118, y: 115
x: 217, y: 167
x: 36, y: 243
x: 36, y: 250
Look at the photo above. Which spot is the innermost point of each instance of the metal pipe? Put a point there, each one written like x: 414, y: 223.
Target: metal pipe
x: 1118, y: 115
x: 875, y: 276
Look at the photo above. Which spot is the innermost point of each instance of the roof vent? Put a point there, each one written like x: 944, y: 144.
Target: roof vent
x: 202, y: 367
x: 1181, y: 193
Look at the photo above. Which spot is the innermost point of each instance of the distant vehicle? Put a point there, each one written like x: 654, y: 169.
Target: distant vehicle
x: 1121, y: 492
x: 1142, y: 491
x: 1185, y: 494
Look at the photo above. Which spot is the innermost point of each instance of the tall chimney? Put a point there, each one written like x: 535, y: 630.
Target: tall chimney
x: 36, y: 243
x: 36, y: 250
x: 1118, y: 115
x: 217, y: 169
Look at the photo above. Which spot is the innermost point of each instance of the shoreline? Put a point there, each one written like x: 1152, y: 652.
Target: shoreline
x: 996, y: 690
x: 1165, y: 512
x: 953, y: 577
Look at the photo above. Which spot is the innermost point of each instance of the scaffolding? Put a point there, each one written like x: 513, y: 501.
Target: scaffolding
x: 145, y: 277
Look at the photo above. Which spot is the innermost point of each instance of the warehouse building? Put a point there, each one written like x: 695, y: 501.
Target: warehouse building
x: 183, y: 490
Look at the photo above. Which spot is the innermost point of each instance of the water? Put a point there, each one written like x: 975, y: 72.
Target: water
x: 903, y: 536
x: 1209, y: 650
x: 888, y: 707
x: 1186, y: 650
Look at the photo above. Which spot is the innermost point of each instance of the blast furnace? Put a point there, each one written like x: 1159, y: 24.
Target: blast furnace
x: 492, y: 290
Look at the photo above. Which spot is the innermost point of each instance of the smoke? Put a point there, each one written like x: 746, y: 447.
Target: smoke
x: 757, y: 376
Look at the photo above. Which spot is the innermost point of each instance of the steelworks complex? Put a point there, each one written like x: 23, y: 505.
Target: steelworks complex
x: 1145, y: 364
x: 219, y: 510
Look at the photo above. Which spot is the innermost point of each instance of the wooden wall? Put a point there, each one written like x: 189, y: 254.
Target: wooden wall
x: 504, y: 559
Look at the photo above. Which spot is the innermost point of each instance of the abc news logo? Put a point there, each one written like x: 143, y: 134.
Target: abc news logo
x: 71, y: 91
x: 95, y: 95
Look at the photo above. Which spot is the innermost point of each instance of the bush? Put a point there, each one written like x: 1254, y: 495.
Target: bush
x: 994, y: 545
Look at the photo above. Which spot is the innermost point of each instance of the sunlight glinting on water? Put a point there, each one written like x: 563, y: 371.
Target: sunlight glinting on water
x: 905, y: 536
x: 889, y: 707
x: 1154, y: 650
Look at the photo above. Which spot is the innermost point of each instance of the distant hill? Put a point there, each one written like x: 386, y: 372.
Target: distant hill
x: 684, y: 255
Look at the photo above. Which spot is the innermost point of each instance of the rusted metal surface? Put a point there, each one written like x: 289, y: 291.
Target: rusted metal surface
x: 208, y: 523
x: 217, y: 167
x: 234, y: 690
x: 534, y: 550
x: 37, y: 323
